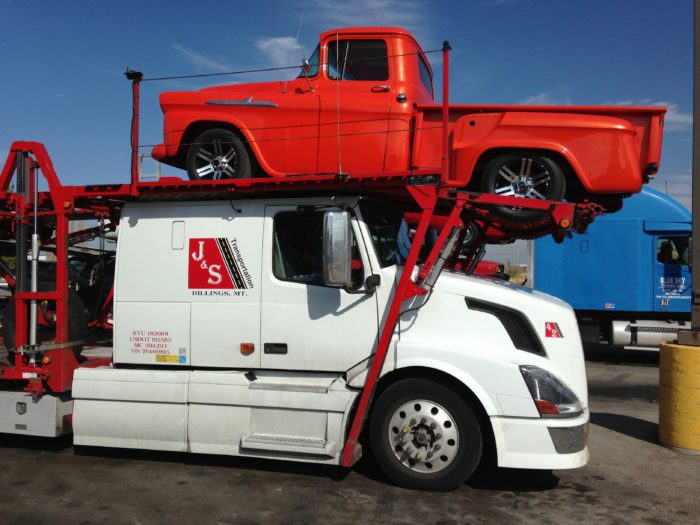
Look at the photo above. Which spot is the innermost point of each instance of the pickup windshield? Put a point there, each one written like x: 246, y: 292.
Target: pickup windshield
x: 313, y: 63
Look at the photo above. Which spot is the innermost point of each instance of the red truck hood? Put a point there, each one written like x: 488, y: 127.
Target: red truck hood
x: 248, y: 88
x: 257, y: 90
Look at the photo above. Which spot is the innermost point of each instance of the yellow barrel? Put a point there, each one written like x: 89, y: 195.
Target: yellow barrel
x: 679, y: 397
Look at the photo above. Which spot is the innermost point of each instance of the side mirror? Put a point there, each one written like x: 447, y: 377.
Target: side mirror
x: 336, y: 248
x: 305, y: 65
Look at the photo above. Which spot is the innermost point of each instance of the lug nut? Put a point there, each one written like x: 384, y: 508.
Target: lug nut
x: 438, y: 436
x: 405, y: 439
x: 430, y: 454
x: 405, y: 429
x: 436, y: 448
x: 413, y: 422
x: 423, y: 420
x: 433, y: 425
x: 419, y: 456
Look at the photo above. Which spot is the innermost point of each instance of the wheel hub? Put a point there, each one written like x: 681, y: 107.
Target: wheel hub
x: 423, y: 436
x: 523, y: 185
x: 219, y: 164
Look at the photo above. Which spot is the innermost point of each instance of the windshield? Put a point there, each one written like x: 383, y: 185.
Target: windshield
x: 388, y: 230
x: 391, y: 234
x: 313, y: 63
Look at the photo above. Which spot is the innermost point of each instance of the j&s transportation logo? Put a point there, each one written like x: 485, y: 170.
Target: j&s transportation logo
x: 216, y: 267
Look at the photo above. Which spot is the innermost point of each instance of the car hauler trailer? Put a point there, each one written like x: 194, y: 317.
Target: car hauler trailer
x: 282, y: 317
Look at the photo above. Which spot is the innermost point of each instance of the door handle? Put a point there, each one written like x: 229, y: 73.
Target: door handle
x: 380, y: 89
x: 275, y: 348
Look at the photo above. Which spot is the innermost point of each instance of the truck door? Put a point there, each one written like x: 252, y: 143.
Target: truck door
x: 306, y: 325
x: 672, y: 285
x: 356, y: 94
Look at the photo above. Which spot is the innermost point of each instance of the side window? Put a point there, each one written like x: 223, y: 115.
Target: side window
x: 297, y: 254
x: 358, y: 60
x: 672, y: 250
x: 425, y: 76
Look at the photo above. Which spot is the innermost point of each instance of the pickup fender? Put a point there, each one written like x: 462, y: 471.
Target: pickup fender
x: 578, y: 138
x: 182, y: 121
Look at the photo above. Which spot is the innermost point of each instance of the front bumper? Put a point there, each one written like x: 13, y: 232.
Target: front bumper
x: 541, y: 443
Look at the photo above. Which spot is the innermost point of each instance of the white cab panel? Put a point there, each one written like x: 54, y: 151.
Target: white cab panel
x: 144, y: 409
x: 277, y: 415
x: 198, y: 258
x: 323, y: 328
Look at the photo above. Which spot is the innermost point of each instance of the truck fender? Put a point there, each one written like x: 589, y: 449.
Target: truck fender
x: 489, y: 405
x: 200, y: 122
x: 476, y: 137
x: 479, y: 137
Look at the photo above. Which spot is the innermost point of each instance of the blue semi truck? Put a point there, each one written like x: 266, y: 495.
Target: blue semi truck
x: 628, y: 277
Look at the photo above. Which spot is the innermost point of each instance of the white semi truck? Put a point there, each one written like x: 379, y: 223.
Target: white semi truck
x: 230, y: 338
x: 294, y: 321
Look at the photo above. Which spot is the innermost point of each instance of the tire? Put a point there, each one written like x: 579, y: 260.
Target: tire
x: 77, y: 324
x: 218, y: 154
x: 526, y: 175
x: 424, y: 436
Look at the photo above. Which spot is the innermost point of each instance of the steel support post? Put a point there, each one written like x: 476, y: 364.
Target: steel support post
x: 692, y: 337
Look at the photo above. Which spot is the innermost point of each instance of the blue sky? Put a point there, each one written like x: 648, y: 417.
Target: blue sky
x: 62, y: 62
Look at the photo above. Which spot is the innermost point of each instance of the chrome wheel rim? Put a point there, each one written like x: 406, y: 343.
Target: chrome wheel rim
x: 529, y: 180
x: 423, y: 436
x: 217, y: 160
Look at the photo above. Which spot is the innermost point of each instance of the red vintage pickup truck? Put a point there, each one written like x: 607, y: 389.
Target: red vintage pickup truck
x: 364, y: 103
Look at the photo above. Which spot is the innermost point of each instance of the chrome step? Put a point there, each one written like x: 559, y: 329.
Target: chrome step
x: 296, y: 444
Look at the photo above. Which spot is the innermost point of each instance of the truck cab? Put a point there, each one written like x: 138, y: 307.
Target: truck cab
x: 628, y: 276
x: 235, y: 335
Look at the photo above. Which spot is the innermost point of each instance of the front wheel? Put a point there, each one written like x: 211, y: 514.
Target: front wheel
x: 424, y: 436
x: 218, y: 154
x: 525, y: 175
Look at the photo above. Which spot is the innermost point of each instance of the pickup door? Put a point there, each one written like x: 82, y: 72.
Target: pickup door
x: 356, y: 95
x: 306, y: 325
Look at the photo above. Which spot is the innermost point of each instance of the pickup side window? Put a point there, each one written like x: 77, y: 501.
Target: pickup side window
x: 425, y: 76
x: 672, y: 250
x: 297, y: 254
x: 358, y: 60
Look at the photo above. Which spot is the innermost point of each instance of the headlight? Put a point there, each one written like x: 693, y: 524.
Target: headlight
x: 552, y: 397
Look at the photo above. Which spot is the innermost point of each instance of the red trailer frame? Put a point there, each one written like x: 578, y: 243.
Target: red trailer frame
x: 49, y: 367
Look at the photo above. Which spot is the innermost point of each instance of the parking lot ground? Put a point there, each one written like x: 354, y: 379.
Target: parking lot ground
x: 629, y: 479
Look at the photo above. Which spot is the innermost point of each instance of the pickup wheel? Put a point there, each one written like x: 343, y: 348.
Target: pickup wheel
x: 218, y: 154
x: 424, y: 436
x: 77, y: 324
x: 529, y: 176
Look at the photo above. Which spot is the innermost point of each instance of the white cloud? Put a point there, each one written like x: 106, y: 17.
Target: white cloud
x: 675, y: 120
x: 409, y: 14
x: 677, y: 185
x: 546, y: 99
x: 202, y: 62
x: 281, y: 51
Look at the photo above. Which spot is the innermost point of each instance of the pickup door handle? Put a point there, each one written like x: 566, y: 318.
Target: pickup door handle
x: 380, y: 89
x: 275, y: 348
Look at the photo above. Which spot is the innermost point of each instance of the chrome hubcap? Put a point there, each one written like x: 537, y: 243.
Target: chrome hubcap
x: 530, y: 180
x: 219, y: 161
x: 423, y: 436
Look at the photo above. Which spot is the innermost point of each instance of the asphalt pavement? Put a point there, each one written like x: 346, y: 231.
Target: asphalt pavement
x: 631, y: 478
